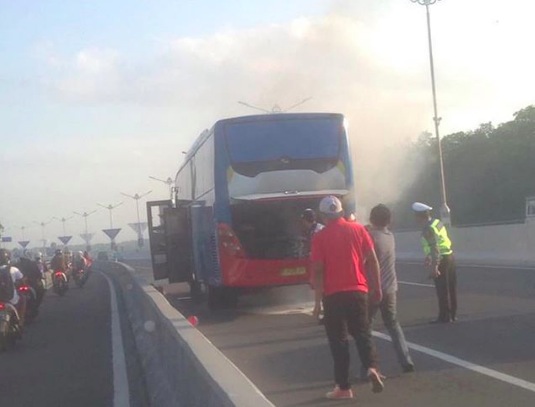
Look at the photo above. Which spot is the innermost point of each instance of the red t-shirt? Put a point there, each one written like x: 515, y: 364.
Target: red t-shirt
x: 342, y: 247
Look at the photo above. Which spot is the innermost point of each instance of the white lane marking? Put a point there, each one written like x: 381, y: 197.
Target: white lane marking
x: 416, y: 284
x: 121, y: 391
x: 477, y: 266
x: 515, y: 381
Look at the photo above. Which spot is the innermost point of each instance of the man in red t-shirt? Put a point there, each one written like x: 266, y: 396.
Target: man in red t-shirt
x: 346, y: 270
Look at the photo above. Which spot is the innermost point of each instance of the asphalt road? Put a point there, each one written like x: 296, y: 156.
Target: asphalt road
x: 65, y: 357
x: 486, y: 358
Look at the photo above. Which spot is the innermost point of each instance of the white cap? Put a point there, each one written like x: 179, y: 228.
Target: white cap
x: 421, y: 207
x: 331, y: 207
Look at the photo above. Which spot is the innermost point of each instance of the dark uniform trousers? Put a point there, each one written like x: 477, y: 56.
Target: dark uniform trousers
x: 446, y: 286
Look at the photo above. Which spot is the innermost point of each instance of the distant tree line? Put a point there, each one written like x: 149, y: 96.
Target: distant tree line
x: 489, y: 172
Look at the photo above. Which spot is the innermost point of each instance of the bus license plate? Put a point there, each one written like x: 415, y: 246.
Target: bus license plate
x: 293, y: 271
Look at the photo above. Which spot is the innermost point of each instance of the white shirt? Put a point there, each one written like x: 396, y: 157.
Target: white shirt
x: 15, y: 276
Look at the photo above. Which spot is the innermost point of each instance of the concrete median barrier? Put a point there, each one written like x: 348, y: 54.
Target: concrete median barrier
x: 181, y: 366
x: 496, y: 245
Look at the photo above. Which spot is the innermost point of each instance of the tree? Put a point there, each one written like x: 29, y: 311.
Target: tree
x: 525, y: 115
x: 489, y: 172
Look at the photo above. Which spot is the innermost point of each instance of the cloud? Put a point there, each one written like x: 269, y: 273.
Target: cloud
x: 329, y: 58
x: 368, y: 62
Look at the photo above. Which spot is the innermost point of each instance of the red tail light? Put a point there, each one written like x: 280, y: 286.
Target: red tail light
x: 228, y: 241
x: 2, y: 306
x: 24, y: 288
x: 58, y: 274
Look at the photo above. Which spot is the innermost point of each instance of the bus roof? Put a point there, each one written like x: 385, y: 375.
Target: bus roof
x: 265, y: 116
x: 278, y: 116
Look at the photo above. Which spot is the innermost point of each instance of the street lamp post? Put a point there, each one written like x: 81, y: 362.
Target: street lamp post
x: 63, y: 221
x: 111, y: 233
x: 444, y: 210
x: 86, y: 236
x: 275, y: 108
x: 137, y: 197
x: 43, y: 237
x: 169, y: 182
x: 110, y: 208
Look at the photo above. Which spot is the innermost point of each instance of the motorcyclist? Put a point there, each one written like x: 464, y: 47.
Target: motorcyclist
x: 34, y: 278
x: 88, y: 259
x: 41, y: 264
x: 79, y: 263
x: 17, y: 277
x: 58, y: 262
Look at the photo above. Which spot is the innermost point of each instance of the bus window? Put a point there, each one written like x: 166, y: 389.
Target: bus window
x: 263, y: 146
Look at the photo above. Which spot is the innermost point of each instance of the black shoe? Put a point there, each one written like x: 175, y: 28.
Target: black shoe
x: 408, y: 368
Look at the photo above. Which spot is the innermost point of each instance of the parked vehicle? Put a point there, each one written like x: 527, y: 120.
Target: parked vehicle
x: 234, y: 222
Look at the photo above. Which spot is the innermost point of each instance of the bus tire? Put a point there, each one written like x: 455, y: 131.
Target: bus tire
x: 230, y: 297
x: 215, y: 298
x: 196, y: 291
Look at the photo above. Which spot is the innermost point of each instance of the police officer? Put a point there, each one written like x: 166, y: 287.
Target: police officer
x: 437, y: 247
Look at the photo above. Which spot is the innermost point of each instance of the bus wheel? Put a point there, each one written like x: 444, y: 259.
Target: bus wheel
x: 230, y: 297
x: 215, y: 298
x: 196, y: 292
x: 222, y: 297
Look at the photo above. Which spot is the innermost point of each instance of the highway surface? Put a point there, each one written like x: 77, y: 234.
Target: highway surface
x: 486, y: 358
x: 68, y: 357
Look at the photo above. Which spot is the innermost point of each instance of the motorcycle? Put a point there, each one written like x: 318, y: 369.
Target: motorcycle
x: 30, y: 296
x: 10, y: 329
x: 60, y: 284
x: 80, y: 277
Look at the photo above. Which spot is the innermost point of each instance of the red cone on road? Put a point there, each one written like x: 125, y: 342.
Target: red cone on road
x: 193, y: 320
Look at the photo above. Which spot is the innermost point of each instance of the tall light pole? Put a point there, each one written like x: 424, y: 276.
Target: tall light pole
x: 137, y: 197
x: 275, y: 108
x: 87, y: 237
x: 63, y: 221
x: 111, y: 232
x: 110, y: 208
x: 444, y: 210
x: 24, y: 243
x: 43, y: 237
x: 169, y: 182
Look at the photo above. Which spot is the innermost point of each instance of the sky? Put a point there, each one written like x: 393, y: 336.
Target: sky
x: 97, y: 96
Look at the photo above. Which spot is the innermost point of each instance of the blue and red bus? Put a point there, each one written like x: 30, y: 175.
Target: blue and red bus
x: 235, y: 219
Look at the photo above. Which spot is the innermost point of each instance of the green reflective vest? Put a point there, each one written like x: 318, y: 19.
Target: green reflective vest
x: 442, y: 240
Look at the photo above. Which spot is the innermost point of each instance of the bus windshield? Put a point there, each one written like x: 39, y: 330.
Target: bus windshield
x: 271, y: 140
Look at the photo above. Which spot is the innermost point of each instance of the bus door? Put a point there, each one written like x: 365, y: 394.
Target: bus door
x: 179, y: 243
x: 157, y: 237
x: 170, y: 240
